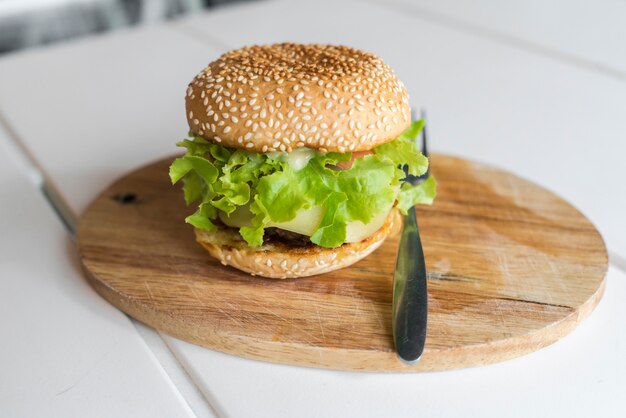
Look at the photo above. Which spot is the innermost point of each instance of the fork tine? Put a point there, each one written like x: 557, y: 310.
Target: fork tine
x: 410, y: 178
x: 424, y: 133
x: 425, y: 143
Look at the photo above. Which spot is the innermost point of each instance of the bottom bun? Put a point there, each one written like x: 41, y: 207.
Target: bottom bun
x: 279, y: 260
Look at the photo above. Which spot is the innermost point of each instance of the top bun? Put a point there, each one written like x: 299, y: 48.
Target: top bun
x: 285, y: 96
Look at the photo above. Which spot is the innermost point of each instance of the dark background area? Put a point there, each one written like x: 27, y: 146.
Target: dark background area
x: 28, y: 23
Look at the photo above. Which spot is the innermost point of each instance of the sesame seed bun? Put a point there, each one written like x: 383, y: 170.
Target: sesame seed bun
x: 285, y: 96
x: 279, y: 260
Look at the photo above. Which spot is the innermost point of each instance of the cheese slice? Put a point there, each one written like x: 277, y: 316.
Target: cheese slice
x: 307, y: 221
x: 297, y: 159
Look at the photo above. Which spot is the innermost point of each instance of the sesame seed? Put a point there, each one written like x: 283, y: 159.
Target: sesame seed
x: 339, y: 74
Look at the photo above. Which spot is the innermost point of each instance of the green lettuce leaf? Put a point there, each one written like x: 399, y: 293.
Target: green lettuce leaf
x: 254, y: 234
x: 225, y: 179
x: 332, y: 230
x: 202, y: 217
x: 193, y: 187
x: 422, y: 194
x: 404, y: 150
x: 281, y: 194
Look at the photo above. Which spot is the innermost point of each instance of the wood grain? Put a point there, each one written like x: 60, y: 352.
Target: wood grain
x: 511, y: 268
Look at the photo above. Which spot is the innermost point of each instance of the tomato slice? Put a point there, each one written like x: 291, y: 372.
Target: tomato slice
x: 347, y: 165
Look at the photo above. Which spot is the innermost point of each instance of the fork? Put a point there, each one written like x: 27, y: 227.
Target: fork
x: 410, y: 292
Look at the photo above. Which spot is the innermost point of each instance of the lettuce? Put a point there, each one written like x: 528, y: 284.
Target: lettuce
x: 224, y: 178
x: 404, y: 151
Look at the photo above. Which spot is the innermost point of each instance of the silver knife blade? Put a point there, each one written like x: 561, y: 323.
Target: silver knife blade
x: 410, y: 294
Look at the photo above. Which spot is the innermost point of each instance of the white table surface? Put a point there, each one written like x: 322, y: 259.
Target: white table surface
x: 582, y: 33
x: 96, y: 108
x: 64, y: 350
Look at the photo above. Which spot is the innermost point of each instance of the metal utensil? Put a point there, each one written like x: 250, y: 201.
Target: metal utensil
x: 410, y: 293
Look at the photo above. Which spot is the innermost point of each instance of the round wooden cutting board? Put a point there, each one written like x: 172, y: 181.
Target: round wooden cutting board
x: 511, y: 268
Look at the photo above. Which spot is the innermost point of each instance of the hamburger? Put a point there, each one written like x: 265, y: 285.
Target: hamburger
x: 295, y: 158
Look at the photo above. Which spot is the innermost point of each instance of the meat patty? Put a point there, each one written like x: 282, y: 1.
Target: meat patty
x: 290, y: 238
